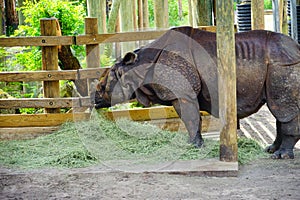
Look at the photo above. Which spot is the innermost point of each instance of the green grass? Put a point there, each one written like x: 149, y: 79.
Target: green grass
x: 97, y: 141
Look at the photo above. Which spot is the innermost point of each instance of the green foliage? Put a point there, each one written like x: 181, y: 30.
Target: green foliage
x: 70, y: 16
x: 71, y: 19
x: 268, y: 4
x: 174, y: 18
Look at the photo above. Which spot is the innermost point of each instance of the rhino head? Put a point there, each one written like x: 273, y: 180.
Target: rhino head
x: 119, y: 83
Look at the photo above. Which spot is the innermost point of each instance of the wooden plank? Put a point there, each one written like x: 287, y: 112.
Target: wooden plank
x: 46, y: 102
x: 209, y: 124
x: 144, y: 114
x: 118, y: 37
x: 208, y: 28
x: 25, y: 132
x: 37, y: 41
x: 207, y: 167
x: 51, y: 75
x: 227, y: 81
x: 40, y: 120
x: 91, y: 73
x: 86, y: 39
x: 127, y: 36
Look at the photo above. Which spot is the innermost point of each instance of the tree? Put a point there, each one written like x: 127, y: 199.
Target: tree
x: 113, y: 16
x: 201, y: 12
x: 11, y: 17
x: 71, y: 22
x: 145, y: 14
x: 161, y: 14
x: 20, y: 13
x: 127, y: 13
x: 2, y: 15
x: 97, y: 8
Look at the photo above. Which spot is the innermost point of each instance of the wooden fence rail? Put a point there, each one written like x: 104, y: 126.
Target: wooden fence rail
x: 44, y: 122
x: 86, y: 39
x: 51, y: 75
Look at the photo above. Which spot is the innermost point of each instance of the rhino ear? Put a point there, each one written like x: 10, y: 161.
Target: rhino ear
x: 129, y: 58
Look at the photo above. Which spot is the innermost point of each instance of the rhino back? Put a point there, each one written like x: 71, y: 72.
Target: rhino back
x: 251, y: 63
x: 251, y: 66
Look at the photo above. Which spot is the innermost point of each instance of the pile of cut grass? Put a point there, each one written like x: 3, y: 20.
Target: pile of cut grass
x: 88, y: 143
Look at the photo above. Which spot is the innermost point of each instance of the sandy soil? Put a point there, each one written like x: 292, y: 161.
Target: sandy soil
x: 261, y: 179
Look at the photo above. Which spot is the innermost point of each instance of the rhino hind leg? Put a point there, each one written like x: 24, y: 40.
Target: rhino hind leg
x: 188, y: 111
x: 276, y: 144
x: 286, y: 139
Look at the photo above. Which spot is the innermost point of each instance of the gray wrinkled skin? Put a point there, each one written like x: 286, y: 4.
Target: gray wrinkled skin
x: 180, y: 69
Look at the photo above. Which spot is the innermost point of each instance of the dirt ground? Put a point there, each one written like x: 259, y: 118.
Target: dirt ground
x: 260, y: 179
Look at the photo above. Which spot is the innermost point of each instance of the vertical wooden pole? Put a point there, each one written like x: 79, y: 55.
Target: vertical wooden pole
x: 92, y: 50
x: 294, y: 26
x: 191, y: 13
x: 284, y: 18
x: 276, y: 18
x: 50, y: 61
x: 2, y: 17
x: 134, y: 15
x: 161, y: 14
x: 258, y: 14
x: 227, y: 80
x: 145, y: 14
x: 127, y: 22
x: 140, y: 14
x: 205, y: 12
x: 97, y: 9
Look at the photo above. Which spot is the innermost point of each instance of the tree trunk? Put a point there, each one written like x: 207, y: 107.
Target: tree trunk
x: 161, y: 14
x: 67, y: 61
x: 180, y: 9
x: 11, y: 16
x: 113, y: 16
x: 2, y: 17
x: 127, y: 22
x: 191, y: 13
x: 20, y: 14
x: 140, y: 14
x: 97, y: 8
x: 111, y: 25
x: 202, y: 13
x: 145, y: 14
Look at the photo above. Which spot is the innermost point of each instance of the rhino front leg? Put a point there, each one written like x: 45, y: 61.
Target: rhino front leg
x: 188, y: 111
x: 290, y: 134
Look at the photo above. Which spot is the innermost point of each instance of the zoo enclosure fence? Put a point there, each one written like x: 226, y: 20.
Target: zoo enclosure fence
x: 27, y: 125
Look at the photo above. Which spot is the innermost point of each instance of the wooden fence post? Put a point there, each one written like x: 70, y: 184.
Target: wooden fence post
x: 227, y: 80
x: 294, y: 24
x: 92, y: 50
x: 257, y: 14
x: 161, y: 14
x: 145, y: 14
x: 50, y: 61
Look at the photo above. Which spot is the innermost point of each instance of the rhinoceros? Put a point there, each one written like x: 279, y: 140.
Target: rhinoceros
x: 180, y: 69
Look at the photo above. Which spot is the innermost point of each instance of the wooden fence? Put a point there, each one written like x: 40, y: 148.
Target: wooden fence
x: 34, y: 124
